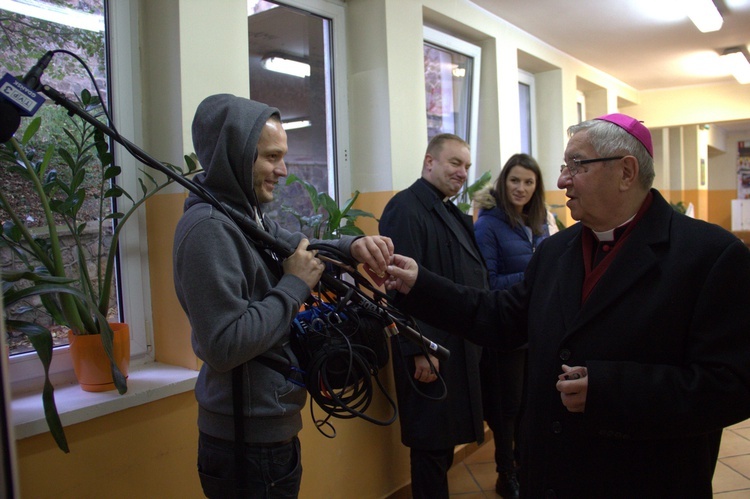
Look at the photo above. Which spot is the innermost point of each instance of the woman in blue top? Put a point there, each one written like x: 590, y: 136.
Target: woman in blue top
x: 512, y: 222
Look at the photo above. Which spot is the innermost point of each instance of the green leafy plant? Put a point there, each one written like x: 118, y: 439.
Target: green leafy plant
x: 558, y: 222
x: 327, y: 218
x: 466, y: 194
x: 73, y: 297
x: 679, y: 207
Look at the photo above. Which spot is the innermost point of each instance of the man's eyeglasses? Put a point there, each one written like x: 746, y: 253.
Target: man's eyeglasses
x: 576, y: 164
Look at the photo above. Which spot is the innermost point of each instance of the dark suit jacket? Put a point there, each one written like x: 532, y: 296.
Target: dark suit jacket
x: 665, y: 336
x: 422, y: 228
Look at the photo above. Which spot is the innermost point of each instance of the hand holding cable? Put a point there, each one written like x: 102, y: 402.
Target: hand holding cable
x: 304, y: 264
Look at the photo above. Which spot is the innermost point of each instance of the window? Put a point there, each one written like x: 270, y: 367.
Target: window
x: 292, y: 50
x: 527, y: 109
x: 451, y: 69
x: 581, y: 106
x: 81, y: 24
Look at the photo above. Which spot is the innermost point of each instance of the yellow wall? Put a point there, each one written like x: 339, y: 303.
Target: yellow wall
x: 171, y: 327
x: 146, y: 451
x: 374, y: 202
x: 387, y: 142
x: 557, y: 198
x: 720, y: 207
x: 363, y: 460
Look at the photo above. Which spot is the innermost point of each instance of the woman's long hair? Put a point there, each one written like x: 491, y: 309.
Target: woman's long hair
x: 534, y: 213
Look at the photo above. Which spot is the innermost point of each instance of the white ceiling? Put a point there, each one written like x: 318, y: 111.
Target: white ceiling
x: 639, y: 42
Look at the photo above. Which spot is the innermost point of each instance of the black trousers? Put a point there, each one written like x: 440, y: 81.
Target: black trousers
x: 429, y: 473
x: 503, y: 375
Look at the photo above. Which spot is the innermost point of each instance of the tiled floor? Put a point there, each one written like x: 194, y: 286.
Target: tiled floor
x: 475, y: 476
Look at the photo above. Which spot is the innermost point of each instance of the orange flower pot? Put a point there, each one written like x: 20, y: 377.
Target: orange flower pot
x: 90, y: 361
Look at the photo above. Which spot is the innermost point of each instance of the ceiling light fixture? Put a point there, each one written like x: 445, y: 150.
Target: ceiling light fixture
x: 293, y: 125
x: 737, y: 61
x: 286, y: 66
x: 704, y: 15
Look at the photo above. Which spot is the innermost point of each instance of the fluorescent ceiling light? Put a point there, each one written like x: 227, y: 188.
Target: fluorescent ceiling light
x: 286, y: 66
x: 257, y: 6
x: 735, y: 59
x: 293, y: 125
x: 704, y: 15
x: 55, y: 14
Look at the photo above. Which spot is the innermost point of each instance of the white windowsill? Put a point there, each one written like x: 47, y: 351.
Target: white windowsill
x: 147, y: 382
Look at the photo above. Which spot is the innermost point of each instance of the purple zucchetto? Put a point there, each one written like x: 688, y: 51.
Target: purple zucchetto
x: 633, y: 127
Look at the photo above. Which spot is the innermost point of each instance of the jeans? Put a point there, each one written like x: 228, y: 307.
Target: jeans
x: 270, y: 472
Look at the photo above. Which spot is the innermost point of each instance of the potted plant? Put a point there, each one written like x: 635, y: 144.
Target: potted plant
x: 327, y: 218
x: 466, y: 194
x: 75, y: 296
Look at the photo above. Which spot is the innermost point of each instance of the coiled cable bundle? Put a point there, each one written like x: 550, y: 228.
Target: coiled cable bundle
x: 340, y: 351
x: 341, y: 347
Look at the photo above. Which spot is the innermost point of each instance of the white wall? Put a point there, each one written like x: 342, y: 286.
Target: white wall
x: 693, y: 105
x: 191, y: 49
x: 386, y: 89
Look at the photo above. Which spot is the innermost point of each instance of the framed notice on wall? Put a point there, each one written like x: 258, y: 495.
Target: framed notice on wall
x: 743, y: 169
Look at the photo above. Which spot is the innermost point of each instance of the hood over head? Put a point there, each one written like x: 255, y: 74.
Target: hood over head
x: 226, y: 130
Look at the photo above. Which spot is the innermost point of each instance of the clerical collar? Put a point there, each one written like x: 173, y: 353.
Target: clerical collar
x: 437, y: 191
x: 609, y: 235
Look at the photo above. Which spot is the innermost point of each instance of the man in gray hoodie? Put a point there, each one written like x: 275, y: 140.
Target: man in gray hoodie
x: 241, y: 301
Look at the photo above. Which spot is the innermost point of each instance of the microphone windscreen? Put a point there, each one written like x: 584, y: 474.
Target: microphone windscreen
x: 10, y: 120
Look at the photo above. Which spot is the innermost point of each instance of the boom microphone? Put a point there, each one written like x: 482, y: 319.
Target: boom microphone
x: 31, y: 80
x: 19, y: 98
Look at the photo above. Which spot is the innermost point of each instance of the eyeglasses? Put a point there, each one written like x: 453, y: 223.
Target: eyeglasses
x: 576, y: 166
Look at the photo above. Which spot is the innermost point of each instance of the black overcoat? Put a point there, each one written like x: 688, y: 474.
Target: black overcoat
x: 421, y: 227
x: 665, y: 336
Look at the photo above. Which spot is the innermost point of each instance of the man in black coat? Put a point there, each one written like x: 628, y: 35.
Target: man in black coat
x: 424, y: 224
x: 639, y: 340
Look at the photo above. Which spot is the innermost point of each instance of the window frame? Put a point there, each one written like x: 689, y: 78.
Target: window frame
x: 526, y: 78
x: 450, y: 42
x: 25, y: 370
x: 581, y: 106
x: 340, y: 178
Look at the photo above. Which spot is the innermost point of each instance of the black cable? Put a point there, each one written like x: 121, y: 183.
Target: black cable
x: 338, y: 354
x: 329, y: 254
